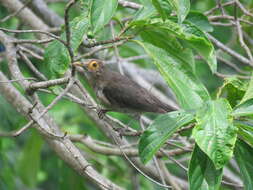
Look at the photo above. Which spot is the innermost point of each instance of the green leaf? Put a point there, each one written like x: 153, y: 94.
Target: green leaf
x: 145, y: 12
x: 160, y: 9
x: 159, y: 131
x: 183, y: 56
x: 241, y: 85
x: 244, y: 109
x: 29, y: 163
x: 246, y: 135
x: 202, y: 173
x: 182, y: 8
x: 249, y: 93
x: 246, y: 124
x: 56, y: 55
x: 189, y: 91
x: 57, y: 58
x: 243, y: 156
x: 234, y: 90
x: 188, y: 32
x: 198, y: 40
x: 245, y: 130
x: 79, y: 27
x: 200, y: 20
x: 101, y: 13
x: 214, y: 132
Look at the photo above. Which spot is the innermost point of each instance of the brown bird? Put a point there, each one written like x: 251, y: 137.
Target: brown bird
x: 120, y: 93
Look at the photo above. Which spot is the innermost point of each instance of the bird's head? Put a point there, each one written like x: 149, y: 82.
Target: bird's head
x: 93, y: 66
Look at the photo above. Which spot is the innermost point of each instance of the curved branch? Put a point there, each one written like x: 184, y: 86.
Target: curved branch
x: 26, y: 15
x: 62, y: 146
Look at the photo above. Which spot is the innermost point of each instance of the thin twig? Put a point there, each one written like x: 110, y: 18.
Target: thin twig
x: 228, y: 17
x: 99, y: 147
x: 71, y: 98
x: 245, y: 11
x: 221, y: 75
x: 17, y: 80
x: 217, y: 7
x: 129, y: 4
x: 232, y: 65
x: 220, y: 7
x: 174, y: 160
x: 117, y: 39
x: 159, y: 171
x: 186, y: 149
x: 231, y: 184
x: 116, y: 51
x: 48, y: 83
x: 93, y: 51
x: 15, y: 133
x: 24, y: 41
x: 241, y: 40
x: 222, y: 24
x: 35, y: 31
x: 229, y: 51
x: 31, y: 66
x: 71, y: 82
x: 15, y: 13
x: 34, y: 48
x: 30, y: 52
x: 139, y: 170
x: 68, y: 30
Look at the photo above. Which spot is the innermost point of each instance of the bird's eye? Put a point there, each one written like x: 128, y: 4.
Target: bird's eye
x: 93, y: 65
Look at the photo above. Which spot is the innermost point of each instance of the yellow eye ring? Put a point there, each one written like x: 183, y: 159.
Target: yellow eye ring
x: 93, y: 65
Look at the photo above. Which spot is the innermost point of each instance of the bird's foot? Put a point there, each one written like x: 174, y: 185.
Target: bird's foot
x: 101, y: 113
x: 121, y: 131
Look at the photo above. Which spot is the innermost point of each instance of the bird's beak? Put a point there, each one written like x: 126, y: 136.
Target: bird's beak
x: 78, y: 64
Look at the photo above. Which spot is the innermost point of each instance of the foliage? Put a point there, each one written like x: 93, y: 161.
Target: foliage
x: 173, y: 33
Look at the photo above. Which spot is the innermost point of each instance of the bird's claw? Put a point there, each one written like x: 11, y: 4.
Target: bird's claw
x: 101, y: 113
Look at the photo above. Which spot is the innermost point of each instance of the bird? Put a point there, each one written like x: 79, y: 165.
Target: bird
x: 118, y: 92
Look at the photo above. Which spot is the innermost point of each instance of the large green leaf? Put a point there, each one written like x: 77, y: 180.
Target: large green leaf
x: 188, y: 90
x: 182, y: 8
x: 200, y: 20
x: 183, y: 56
x: 57, y: 58
x: 159, y: 131
x: 234, y: 89
x: 202, y: 173
x: 243, y: 156
x: 244, y: 109
x: 249, y: 93
x: 214, y: 132
x: 56, y: 54
x: 187, y: 31
x: 146, y: 11
x: 198, y: 40
x: 246, y: 135
x: 245, y: 130
x: 101, y: 13
x: 247, y: 124
x: 29, y: 163
x: 160, y: 9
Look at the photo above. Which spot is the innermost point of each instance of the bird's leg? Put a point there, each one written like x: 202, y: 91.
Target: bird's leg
x: 101, y: 113
x: 142, y: 124
x: 138, y: 118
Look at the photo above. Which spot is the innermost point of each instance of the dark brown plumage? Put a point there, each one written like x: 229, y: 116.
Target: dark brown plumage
x: 120, y: 93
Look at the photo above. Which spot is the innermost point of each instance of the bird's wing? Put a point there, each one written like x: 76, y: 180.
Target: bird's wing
x: 127, y: 94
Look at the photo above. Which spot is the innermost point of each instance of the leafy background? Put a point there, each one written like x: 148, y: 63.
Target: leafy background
x: 221, y: 110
